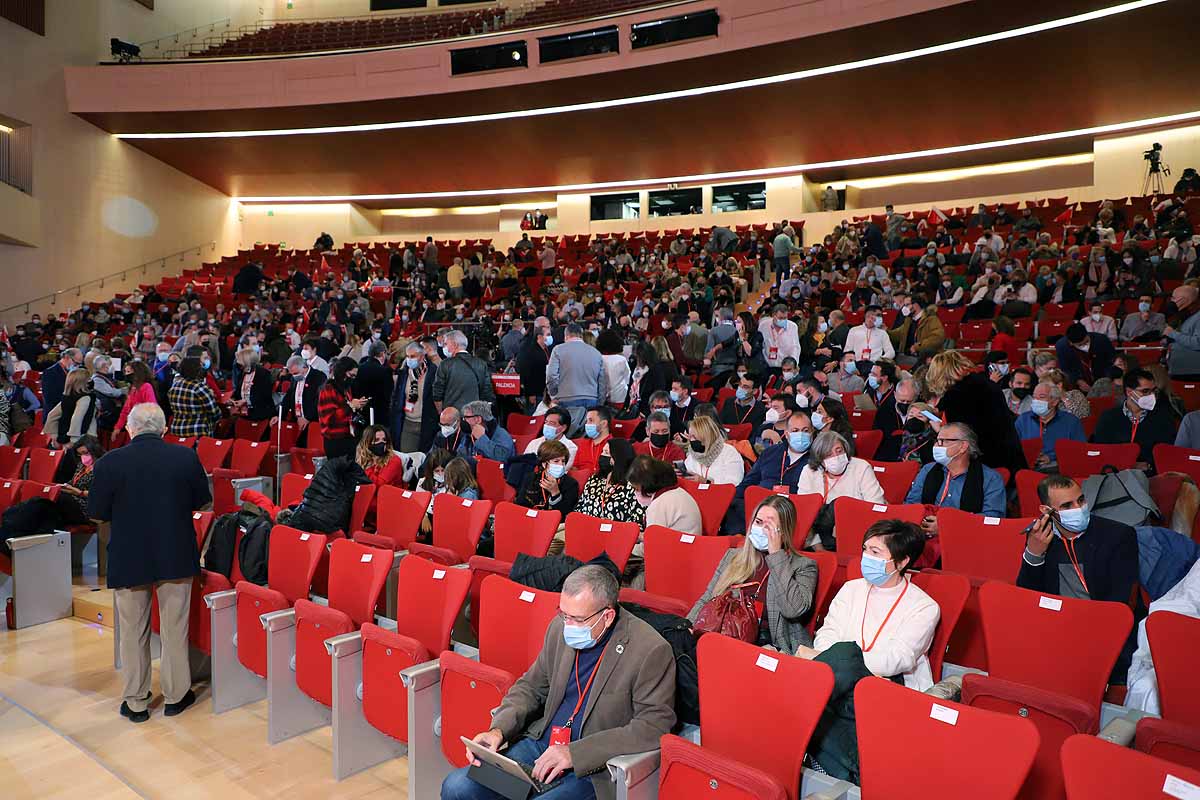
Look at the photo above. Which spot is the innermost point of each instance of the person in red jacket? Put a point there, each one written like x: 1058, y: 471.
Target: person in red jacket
x: 658, y: 442
x: 378, y: 460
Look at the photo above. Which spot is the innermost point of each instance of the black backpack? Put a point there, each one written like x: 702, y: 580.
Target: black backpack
x: 678, y: 633
x: 252, y: 552
x: 221, y: 542
x: 223, y: 545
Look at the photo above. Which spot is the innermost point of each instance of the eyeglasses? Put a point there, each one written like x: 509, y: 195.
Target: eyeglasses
x: 944, y: 442
x: 567, y: 618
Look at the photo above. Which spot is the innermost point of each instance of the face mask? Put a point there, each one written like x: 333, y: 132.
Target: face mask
x: 874, y: 570
x: 942, y: 455
x: 307, y: 355
x: 604, y: 465
x: 591, y: 430
x: 548, y: 339
x: 850, y: 367
x: 1075, y: 520
x: 1143, y: 307
x: 1040, y: 407
x: 781, y: 323
x: 836, y: 465
x: 696, y: 446
x: 1084, y: 347
x: 439, y: 477
x: 578, y: 637
x: 787, y: 376
x: 674, y: 396
x: 549, y: 431
x: 1128, y: 261
x: 771, y: 417
x: 818, y: 420
x: 1000, y: 368
x: 906, y: 310
x: 86, y: 459
x: 758, y: 537
x: 799, y: 441
x: 742, y: 394
x: 449, y: 430
x: 873, y: 381
x: 163, y: 357
x: 947, y: 284
x: 1095, y: 316
x: 556, y: 470
x: 879, y: 322
x: 1148, y: 402
x: 660, y: 440
x: 206, y: 363
x: 379, y: 449
x: 822, y: 327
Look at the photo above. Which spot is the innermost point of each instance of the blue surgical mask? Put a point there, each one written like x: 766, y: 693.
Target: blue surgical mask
x: 1155, y: 260
x: 449, y: 430
x: 742, y: 394
x: 758, y: 537
x: 781, y: 323
x: 799, y: 441
x: 874, y: 570
x: 206, y: 363
x: 1039, y: 407
x: 163, y: 356
x: 818, y: 420
x: 591, y: 430
x: 439, y: 477
x: 578, y: 637
x: 549, y: 431
x: 674, y: 396
x: 850, y: 367
x: 941, y: 456
x: 412, y: 363
x: 1143, y: 306
x: 822, y: 327
x: 872, y: 381
x: 556, y: 470
x: 548, y: 339
x: 1075, y: 520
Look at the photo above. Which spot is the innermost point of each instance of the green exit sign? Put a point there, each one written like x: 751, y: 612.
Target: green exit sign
x: 270, y: 212
x: 290, y: 6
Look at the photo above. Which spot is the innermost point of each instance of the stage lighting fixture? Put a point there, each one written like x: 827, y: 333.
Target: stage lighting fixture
x: 125, y: 52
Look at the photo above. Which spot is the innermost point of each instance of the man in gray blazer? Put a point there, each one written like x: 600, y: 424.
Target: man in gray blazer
x: 575, y: 376
x: 622, y: 704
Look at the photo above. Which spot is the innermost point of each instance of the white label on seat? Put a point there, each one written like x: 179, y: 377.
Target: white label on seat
x: 944, y: 714
x: 1178, y: 787
x: 356, y: 488
x: 686, y: 538
x: 1189, y: 386
x: 255, y: 444
x: 438, y: 574
x: 879, y: 469
x: 308, y: 477
x: 218, y: 442
x: 1093, y: 453
x: 527, y: 597
x: 1193, y: 458
x: 531, y: 513
x: 468, y: 503
x: 304, y: 537
x: 195, y: 515
x: 1052, y: 603
x: 406, y: 495
x: 366, y: 559
x: 606, y: 527
x: 46, y: 490
x: 879, y: 508
x: 766, y: 662
x: 991, y: 520
x: 8, y: 484
x: 702, y: 487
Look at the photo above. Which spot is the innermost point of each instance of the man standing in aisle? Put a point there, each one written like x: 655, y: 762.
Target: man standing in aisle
x: 148, y: 491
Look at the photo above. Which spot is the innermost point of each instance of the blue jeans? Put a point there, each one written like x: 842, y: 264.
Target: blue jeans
x: 458, y: 786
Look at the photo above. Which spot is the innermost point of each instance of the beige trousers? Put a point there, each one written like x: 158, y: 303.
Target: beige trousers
x: 133, y: 612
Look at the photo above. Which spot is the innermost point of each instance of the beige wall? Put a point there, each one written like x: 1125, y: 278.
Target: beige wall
x: 103, y: 205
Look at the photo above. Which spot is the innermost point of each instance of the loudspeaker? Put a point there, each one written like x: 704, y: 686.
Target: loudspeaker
x: 600, y: 41
x: 675, y: 29
x: 489, y: 57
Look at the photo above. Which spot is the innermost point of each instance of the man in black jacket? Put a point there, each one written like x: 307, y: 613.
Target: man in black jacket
x: 1072, y: 553
x: 374, y: 382
x: 532, y: 360
x: 148, y: 491
x: 1140, y: 419
x: 309, y: 382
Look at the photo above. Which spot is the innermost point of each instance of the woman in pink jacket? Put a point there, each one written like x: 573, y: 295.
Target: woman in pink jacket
x: 141, y: 390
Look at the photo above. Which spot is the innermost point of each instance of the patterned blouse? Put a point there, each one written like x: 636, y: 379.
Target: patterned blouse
x: 607, y: 501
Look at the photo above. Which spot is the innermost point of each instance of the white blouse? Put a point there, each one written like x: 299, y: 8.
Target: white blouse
x: 902, y: 645
x: 727, y: 467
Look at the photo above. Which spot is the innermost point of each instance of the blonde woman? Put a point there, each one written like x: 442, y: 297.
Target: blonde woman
x: 662, y: 349
x: 709, y: 458
x: 75, y: 415
x: 962, y: 393
x: 787, y: 580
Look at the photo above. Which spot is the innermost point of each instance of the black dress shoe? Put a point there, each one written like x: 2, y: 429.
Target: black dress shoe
x: 171, y: 709
x: 134, y: 716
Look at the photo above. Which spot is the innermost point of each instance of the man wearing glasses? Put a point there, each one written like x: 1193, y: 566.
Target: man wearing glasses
x: 603, y: 686
x: 956, y: 478
x: 1141, y: 419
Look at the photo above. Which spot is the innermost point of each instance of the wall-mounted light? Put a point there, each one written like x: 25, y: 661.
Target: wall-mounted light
x: 5, y: 129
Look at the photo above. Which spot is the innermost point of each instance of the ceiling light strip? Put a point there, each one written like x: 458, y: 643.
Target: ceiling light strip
x: 1098, y: 130
x: 749, y: 83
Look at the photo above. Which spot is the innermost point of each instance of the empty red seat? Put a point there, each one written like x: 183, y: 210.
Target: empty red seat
x: 588, y: 537
x: 43, y: 464
x: 1094, y: 768
x: 1172, y: 741
x: 713, y: 499
x: 291, y: 488
x: 680, y: 565
x: 895, y: 478
x: 1081, y: 459
x: 12, y: 461
x: 1169, y: 458
x: 213, y: 453
x: 1174, y: 641
x: 399, y: 512
x: 492, y: 484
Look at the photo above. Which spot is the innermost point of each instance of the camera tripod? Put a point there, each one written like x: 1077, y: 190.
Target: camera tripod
x: 1153, y: 183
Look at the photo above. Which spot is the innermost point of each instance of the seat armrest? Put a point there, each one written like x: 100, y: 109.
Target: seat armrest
x: 25, y: 542
x: 632, y: 769
x: 1122, y: 730
x: 465, y: 650
x: 947, y: 688
x: 344, y: 645
x: 219, y: 600
x: 422, y: 676
x: 279, y: 620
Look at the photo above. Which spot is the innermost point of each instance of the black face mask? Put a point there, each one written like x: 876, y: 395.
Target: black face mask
x: 1022, y: 393
x: 379, y: 449
x: 660, y: 439
x: 697, y: 446
x: 604, y: 465
x: 915, y: 426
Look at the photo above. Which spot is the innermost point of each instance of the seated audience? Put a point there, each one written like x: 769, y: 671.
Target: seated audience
x: 75, y: 415
x: 375, y: 455
x: 832, y: 473
x: 745, y: 407
x: 657, y: 489
x: 786, y: 580
x: 777, y: 468
x: 596, y: 433
x: 1047, y: 421
x: 548, y: 486
x: 1139, y: 419
x: 658, y: 442
x: 557, y: 422
x: 956, y: 478
x: 607, y: 494
x: 710, y: 458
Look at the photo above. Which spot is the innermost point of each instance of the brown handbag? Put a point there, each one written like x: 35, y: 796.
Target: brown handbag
x: 731, y: 614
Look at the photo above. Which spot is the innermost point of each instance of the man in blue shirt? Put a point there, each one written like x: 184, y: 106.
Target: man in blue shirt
x: 1046, y: 420
x: 778, y: 465
x: 956, y: 478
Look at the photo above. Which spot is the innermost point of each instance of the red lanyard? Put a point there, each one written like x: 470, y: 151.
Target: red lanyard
x: 746, y: 416
x: 883, y: 399
x: 825, y: 477
x: 946, y: 490
x: 584, y: 690
x: 1069, y: 545
x: 1133, y: 435
x: 862, y: 629
x: 784, y: 467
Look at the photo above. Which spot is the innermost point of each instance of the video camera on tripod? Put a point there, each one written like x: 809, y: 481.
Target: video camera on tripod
x: 1155, y: 169
x: 1154, y: 156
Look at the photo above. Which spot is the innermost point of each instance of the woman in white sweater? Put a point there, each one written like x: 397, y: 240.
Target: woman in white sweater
x: 888, y: 617
x: 709, y: 458
x: 832, y: 473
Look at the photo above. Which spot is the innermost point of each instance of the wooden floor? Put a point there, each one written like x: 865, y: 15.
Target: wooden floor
x: 61, y: 735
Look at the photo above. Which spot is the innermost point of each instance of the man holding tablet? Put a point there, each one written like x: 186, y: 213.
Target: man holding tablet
x: 603, y: 686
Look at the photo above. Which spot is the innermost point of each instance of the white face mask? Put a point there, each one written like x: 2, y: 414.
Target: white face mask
x: 771, y: 417
x: 836, y: 465
x: 1148, y: 402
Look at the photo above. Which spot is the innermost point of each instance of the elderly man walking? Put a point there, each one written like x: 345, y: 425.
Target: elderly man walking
x: 148, y: 491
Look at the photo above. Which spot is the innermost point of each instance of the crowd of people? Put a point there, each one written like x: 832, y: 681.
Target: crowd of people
x: 649, y: 366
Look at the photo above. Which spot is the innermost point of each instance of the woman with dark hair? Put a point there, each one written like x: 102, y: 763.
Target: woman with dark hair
x: 964, y: 394
x: 548, y: 486
x: 194, y: 409
x: 75, y: 479
x: 606, y: 494
x: 832, y: 415
x: 656, y: 487
x: 374, y: 454
x: 650, y: 374
x: 141, y: 389
x: 749, y: 344
x: 336, y: 409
